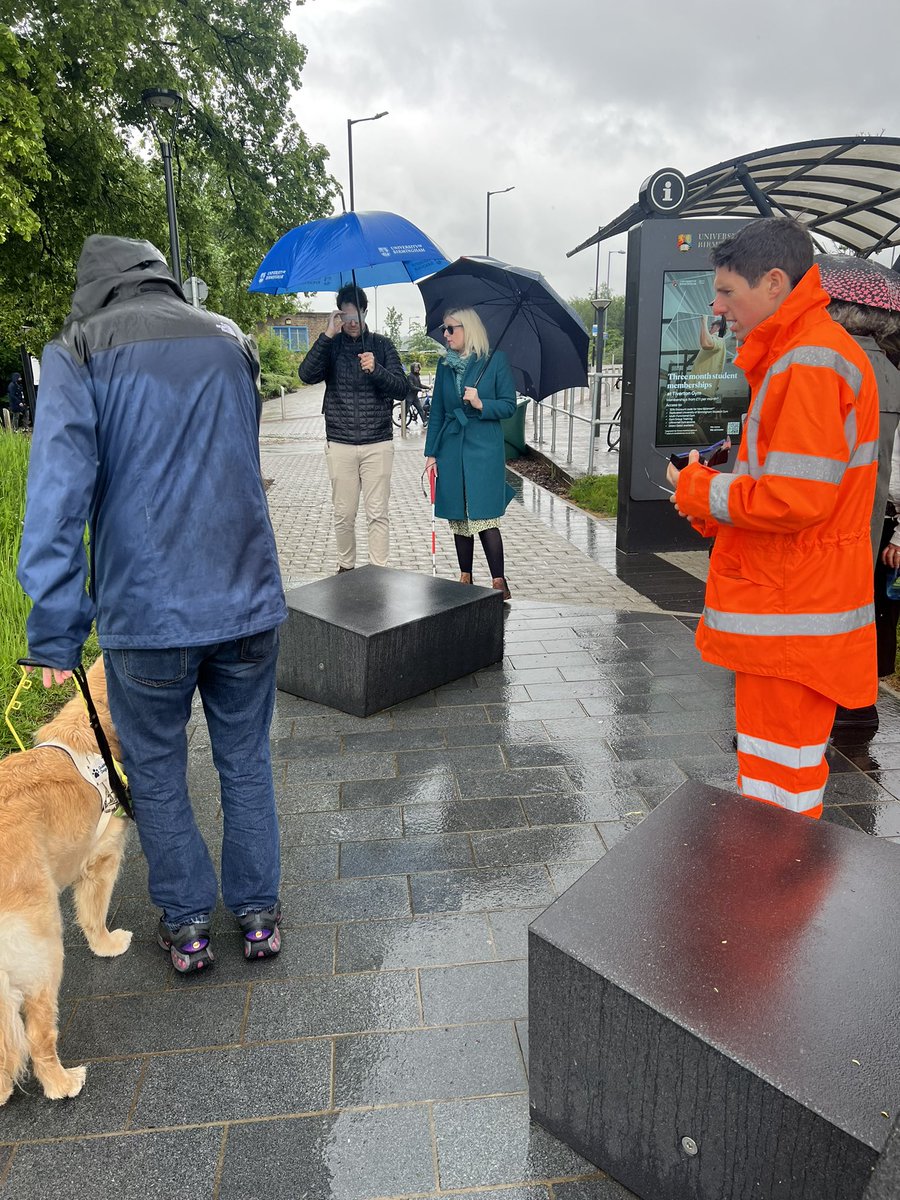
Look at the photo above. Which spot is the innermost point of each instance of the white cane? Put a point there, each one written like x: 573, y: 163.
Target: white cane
x: 432, y: 475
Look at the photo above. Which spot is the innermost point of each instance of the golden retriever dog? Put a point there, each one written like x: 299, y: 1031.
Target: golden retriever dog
x: 49, y: 817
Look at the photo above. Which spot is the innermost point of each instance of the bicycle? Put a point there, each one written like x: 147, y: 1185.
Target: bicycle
x: 412, y: 415
x: 614, y: 430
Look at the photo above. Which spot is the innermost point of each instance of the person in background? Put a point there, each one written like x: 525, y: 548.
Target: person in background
x: 148, y: 430
x: 363, y: 377
x: 789, y: 595
x: 416, y: 385
x: 15, y: 402
x: 850, y: 283
x: 474, y: 391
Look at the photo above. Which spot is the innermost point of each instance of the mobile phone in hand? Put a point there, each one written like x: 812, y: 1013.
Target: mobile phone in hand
x: 710, y: 456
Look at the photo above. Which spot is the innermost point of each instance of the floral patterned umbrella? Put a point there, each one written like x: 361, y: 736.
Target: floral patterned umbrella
x: 859, y: 281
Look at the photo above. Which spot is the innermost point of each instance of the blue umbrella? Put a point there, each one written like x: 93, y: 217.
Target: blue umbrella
x: 543, y: 338
x: 364, y: 248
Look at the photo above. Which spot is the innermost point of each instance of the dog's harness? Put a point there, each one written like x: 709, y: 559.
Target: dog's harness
x: 101, y: 770
x: 93, y: 769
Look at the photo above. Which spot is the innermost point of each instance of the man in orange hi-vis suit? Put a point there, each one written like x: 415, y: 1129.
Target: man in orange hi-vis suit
x: 789, y: 597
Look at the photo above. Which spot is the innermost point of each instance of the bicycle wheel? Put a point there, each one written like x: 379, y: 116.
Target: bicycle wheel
x: 397, y: 414
x: 614, y: 430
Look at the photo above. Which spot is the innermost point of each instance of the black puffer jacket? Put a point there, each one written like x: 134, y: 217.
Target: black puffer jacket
x: 357, y: 405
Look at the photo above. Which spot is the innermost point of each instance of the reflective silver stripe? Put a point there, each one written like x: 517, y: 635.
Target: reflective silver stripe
x: 751, y: 436
x: 776, y: 752
x: 789, y: 624
x: 741, y: 468
x: 804, y: 466
x: 864, y: 455
x: 761, y: 789
x: 806, y: 356
x: 821, y: 356
x: 718, y: 498
x: 850, y: 431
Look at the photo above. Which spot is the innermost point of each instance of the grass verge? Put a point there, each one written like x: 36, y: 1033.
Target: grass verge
x: 596, y: 493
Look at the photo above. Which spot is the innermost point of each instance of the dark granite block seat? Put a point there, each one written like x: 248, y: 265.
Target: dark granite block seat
x: 366, y: 639
x: 715, y: 1006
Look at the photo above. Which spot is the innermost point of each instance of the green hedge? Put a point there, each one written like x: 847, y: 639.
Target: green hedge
x: 37, y: 704
x: 270, y: 384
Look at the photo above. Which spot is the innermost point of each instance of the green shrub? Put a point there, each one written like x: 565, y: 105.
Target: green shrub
x: 271, y: 383
x: 427, y: 360
x: 596, y: 493
x: 274, y: 356
x: 37, y: 704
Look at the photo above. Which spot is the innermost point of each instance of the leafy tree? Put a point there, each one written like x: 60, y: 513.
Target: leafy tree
x: 393, y: 320
x: 615, y: 323
x: 418, y: 347
x: 76, y: 155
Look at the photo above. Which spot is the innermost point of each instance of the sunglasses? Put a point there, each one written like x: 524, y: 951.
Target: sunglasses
x: 450, y: 328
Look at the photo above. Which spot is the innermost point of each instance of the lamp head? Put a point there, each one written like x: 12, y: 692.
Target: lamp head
x: 161, y: 99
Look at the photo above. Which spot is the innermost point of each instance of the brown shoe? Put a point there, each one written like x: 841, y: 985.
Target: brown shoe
x: 500, y: 585
x: 465, y: 577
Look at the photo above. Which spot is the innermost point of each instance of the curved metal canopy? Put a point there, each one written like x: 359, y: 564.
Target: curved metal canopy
x: 846, y: 189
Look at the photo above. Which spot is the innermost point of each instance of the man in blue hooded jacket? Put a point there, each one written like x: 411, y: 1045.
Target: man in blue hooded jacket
x: 148, y: 431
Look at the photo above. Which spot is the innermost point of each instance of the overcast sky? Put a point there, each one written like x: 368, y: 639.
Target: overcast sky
x: 574, y: 103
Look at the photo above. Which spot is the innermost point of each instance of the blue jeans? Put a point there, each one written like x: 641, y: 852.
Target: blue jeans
x: 150, y: 693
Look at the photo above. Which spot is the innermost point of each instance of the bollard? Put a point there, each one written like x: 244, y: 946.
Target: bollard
x: 571, y: 424
x: 282, y: 404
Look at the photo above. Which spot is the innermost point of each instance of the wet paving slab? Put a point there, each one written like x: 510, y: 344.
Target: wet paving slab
x: 383, y: 1053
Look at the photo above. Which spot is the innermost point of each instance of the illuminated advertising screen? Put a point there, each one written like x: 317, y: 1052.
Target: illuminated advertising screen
x: 702, y: 394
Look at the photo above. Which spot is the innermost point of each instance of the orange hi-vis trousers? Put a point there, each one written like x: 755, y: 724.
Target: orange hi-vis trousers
x: 782, y: 736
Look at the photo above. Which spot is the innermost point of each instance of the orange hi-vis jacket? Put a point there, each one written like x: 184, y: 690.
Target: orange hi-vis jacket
x: 790, y: 582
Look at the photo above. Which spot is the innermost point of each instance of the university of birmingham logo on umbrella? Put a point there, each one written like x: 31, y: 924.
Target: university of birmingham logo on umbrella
x: 385, y: 251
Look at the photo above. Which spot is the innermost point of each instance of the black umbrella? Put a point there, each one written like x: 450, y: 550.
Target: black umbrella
x: 543, y: 338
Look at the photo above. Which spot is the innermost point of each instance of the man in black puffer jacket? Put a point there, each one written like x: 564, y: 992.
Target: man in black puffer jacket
x: 363, y: 377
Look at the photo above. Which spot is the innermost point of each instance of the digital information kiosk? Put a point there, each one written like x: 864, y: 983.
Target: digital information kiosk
x: 680, y: 387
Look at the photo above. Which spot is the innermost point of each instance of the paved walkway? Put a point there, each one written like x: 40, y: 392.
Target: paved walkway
x: 383, y: 1053
x: 546, y: 557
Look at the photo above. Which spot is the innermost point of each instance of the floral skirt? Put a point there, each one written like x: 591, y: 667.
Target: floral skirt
x: 469, y: 528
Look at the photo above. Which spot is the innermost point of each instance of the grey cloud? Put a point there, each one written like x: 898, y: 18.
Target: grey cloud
x: 574, y: 102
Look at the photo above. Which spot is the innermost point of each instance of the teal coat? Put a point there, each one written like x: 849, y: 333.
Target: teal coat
x: 468, y: 445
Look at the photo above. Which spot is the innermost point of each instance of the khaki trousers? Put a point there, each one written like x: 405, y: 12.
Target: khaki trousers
x: 355, y: 469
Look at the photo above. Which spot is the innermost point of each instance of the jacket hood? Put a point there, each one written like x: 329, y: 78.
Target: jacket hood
x: 799, y: 305
x: 117, y: 268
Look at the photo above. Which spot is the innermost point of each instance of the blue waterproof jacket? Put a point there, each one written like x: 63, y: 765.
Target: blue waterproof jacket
x: 148, y: 429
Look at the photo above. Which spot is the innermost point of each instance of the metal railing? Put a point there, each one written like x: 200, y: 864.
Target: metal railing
x: 598, y: 403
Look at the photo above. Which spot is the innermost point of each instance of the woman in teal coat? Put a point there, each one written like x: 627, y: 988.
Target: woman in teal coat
x: 473, y: 392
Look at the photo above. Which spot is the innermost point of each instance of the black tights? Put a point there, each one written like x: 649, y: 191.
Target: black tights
x: 492, y: 543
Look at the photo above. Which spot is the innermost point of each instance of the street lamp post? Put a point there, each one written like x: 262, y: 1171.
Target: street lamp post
x: 609, y: 255
x: 601, y: 304
x: 161, y: 100
x: 351, y: 121
x: 487, y: 235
